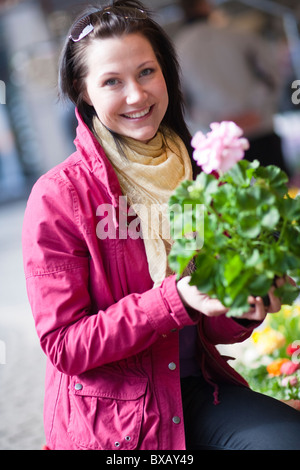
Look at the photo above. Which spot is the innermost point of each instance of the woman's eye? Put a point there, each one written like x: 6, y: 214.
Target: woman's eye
x: 146, y: 72
x: 111, y: 82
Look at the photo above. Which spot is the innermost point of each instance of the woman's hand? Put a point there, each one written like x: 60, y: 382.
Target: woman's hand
x: 192, y: 298
x: 258, y: 310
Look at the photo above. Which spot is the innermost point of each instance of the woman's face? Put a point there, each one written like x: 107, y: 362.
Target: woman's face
x: 126, y: 86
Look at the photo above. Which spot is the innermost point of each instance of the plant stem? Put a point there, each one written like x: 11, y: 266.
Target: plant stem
x: 282, y: 231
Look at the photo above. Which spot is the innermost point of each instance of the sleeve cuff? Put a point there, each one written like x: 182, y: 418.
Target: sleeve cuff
x: 165, y: 309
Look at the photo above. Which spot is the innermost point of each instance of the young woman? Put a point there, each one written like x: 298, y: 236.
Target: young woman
x: 132, y: 362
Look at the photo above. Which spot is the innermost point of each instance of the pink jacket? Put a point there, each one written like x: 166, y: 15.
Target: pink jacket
x: 112, y: 341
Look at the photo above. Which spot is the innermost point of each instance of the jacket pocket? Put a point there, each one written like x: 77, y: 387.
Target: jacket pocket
x: 108, y: 414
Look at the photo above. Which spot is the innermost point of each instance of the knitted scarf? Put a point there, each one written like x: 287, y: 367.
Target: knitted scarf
x: 148, y: 173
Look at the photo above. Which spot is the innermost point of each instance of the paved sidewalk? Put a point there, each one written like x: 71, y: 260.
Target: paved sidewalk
x: 22, y: 363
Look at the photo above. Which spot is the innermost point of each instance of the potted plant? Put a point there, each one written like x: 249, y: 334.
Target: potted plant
x: 236, y: 223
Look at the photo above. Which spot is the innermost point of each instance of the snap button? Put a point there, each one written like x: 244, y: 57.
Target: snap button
x: 78, y: 387
x: 176, y: 419
x: 127, y: 438
x: 172, y: 366
x: 117, y: 444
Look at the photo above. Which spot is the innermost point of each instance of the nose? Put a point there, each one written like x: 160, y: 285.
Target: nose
x: 135, y: 93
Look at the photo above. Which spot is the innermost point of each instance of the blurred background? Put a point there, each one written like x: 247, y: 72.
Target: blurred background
x: 37, y: 132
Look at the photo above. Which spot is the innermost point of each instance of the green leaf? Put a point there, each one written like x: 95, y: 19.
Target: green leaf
x: 270, y: 218
x: 232, y: 269
x: 287, y: 293
x: 222, y: 199
x: 204, y: 284
x: 239, y: 305
x: 291, y: 208
x: 264, y: 196
x: 246, y: 200
x: 275, y: 177
x: 249, y: 226
x: 260, y: 285
x: 241, y: 173
x: 204, y: 275
x: 237, y: 292
x: 204, y: 184
x: 237, y: 311
x: 180, y: 256
x: 181, y: 193
x: 254, y: 259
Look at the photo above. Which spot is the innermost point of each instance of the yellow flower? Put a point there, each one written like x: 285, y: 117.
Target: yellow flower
x: 293, y: 192
x: 286, y: 310
x: 268, y: 340
x: 296, y: 310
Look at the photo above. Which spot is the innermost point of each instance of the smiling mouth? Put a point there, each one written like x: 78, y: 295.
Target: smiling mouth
x: 139, y: 115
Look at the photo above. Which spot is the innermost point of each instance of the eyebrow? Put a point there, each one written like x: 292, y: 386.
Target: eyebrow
x: 145, y: 63
x: 115, y: 74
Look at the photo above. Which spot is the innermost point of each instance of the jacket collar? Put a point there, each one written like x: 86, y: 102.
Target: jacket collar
x: 94, y: 156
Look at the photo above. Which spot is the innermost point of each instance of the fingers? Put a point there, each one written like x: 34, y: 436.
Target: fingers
x: 275, y: 302
x: 257, y: 310
x: 282, y: 280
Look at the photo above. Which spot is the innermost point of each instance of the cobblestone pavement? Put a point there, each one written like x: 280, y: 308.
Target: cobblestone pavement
x: 22, y: 363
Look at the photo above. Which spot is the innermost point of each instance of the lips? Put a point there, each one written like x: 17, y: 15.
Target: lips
x: 138, y: 115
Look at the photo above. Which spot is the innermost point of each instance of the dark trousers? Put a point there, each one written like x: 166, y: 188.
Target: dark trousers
x: 244, y: 419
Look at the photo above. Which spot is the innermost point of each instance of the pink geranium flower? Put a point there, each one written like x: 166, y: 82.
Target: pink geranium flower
x: 221, y: 148
x: 289, y: 380
x: 289, y: 368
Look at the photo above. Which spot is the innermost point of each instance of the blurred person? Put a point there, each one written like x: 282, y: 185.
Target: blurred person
x: 131, y: 356
x: 230, y: 76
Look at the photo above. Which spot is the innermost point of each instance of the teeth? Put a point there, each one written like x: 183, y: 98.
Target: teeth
x: 138, y: 115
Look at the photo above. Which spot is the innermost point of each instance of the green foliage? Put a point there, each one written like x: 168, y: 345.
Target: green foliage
x: 250, y: 234
x: 278, y: 341
x: 260, y: 381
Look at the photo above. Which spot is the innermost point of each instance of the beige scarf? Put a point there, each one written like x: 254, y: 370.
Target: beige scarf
x: 148, y: 176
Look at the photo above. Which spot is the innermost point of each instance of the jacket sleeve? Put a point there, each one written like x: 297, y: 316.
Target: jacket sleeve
x: 56, y: 264
x: 224, y: 330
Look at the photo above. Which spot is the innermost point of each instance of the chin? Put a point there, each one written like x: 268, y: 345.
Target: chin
x: 145, y: 137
